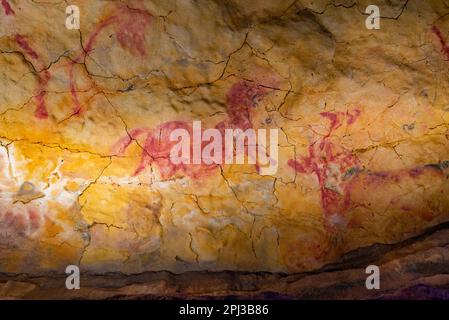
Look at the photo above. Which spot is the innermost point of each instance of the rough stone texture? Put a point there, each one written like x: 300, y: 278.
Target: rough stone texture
x: 363, y: 148
x: 413, y: 269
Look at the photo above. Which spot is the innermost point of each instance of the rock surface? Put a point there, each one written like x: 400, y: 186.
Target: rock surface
x: 85, y: 117
x: 413, y: 269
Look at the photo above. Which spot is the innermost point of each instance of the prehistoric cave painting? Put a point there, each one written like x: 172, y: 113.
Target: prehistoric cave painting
x: 18, y: 215
x: 22, y: 224
x: 241, y: 98
x: 130, y: 24
x: 130, y: 30
x: 44, y: 76
x: 7, y: 8
x: 366, y: 184
x: 333, y: 165
x: 18, y: 224
x: 343, y: 182
x: 25, y: 46
x: 156, y: 149
x: 444, y: 46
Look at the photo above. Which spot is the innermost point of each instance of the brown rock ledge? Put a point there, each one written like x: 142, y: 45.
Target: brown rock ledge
x: 413, y: 269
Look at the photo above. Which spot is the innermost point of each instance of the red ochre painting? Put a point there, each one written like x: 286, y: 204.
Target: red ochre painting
x: 360, y: 159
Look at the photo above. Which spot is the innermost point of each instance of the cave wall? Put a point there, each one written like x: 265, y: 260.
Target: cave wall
x: 86, y: 115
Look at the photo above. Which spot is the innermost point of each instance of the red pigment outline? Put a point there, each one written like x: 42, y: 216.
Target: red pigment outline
x: 124, y: 30
x: 126, y: 38
x: 23, y: 43
x: 7, y: 8
x: 18, y: 222
x: 240, y: 100
x: 322, y: 154
x: 41, y: 110
x: 157, y: 147
x: 444, y: 46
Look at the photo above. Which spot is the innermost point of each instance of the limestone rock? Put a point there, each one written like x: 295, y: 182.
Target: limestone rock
x: 86, y: 115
